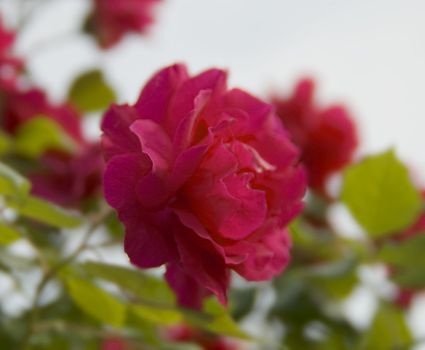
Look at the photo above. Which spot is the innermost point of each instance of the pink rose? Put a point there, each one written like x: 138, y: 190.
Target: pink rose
x: 205, y: 179
x: 327, y: 137
x: 112, y: 19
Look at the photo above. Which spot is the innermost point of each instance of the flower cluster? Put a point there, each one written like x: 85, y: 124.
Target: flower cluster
x: 66, y: 177
x: 327, y: 137
x: 205, y: 179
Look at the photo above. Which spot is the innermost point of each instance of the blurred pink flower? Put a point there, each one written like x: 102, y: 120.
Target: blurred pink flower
x: 60, y: 176
x: 205, y: 180
x: 183, y: 333
x: 68, y: 179
x: 112, y: 19
x: 6, y: 39
x: 115, y: 343
x: 9, y: 65
x: 19, y: 106
x: 327, y: 137
x: 64, y: 177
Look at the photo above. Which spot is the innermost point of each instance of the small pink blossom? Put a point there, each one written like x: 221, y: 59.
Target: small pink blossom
x: 327, y: 137
x: 205, y: 180
x: 112, y: 19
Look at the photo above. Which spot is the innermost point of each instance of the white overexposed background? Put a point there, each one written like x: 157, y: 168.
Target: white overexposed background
x: 368, y: 54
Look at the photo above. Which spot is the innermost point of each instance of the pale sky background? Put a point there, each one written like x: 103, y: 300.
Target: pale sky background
x: 368, y: 54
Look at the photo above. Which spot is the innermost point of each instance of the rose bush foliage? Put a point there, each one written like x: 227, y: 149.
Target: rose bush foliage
x: 207, y: 182
x: 67, y: 176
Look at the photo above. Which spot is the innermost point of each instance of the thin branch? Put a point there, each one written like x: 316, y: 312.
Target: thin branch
x: 50, y: 274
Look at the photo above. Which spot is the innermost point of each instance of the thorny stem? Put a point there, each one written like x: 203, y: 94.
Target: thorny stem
x: 51, y: 273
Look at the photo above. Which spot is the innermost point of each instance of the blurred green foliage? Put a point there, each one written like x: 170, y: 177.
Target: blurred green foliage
x: 94, y: 300
x: 90, y: 92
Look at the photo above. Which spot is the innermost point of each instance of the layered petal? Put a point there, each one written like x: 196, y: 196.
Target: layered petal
x: 270, y: 256
x: 121, y: 176
x: 189, y: 292
x: 204, y: 264
x: 117, y: 137
x: 155, y: 97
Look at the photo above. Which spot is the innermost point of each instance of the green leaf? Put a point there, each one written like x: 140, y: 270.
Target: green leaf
x: 12, y: 183
x: 90, y: 92
x: 157, y: 315
x: 410, y: 278
x: 407, y: 253
x: 141, y: 285
x: 336, y: 279
x: 388, y: 331
x: 115, y: 226
x: 44, y: 212
x: 39, y: 134
x: 96, y: 302
x: 242, y: 302
x: 5, y: 143
x: 217, y: 320
x: 380, y: 195
x: 8, y: 234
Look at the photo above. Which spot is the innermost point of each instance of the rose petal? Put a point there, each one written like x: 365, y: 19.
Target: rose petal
x: 121, y: 176
x: 152, y: 191
x: 250, y: 212
x: 148, y: 241
x: 185, y: 165
x: 203, y: 263
x: 183, y: 101
x: 117, y: 137
x: 270, y: 256
x: 189, y: 292
x: 155, y: 143
x: 154, y: 100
